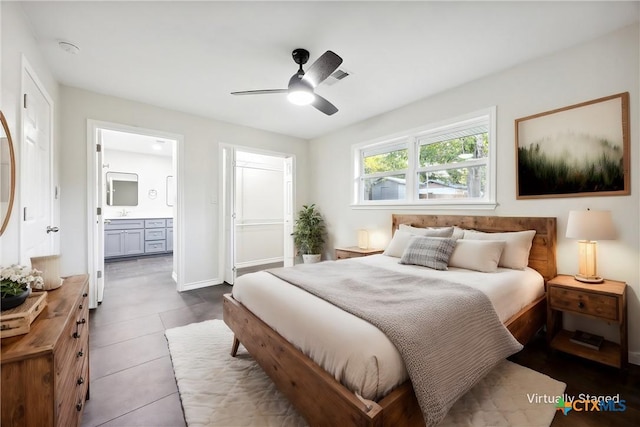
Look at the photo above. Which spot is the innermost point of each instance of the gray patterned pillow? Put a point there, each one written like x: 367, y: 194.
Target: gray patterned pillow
x: 432, y: 252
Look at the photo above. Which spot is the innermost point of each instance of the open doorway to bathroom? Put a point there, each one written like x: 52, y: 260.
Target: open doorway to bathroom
x: 135, y: 224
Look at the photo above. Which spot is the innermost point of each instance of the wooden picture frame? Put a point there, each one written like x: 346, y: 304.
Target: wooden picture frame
x: 575, y: 151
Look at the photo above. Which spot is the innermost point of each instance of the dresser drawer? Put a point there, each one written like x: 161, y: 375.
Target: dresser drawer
x: 584, y: 302
x: 72, y: 350
x: 73, y: 401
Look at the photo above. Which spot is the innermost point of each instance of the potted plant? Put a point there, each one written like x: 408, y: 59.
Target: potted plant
x: 309, y: 233
x: 15, y: 284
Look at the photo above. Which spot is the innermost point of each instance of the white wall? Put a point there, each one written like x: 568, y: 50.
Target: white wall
x: 605, y: 66
x: 17, y: 40
x: 152, y: 171
x: 201, y: 198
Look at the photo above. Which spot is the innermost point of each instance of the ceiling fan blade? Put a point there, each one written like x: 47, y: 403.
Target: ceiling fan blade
x: 322, y: 68
x: 323, y: 105
x: 260, y: 92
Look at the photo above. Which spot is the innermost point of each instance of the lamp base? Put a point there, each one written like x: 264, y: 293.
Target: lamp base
x: 588, y: 279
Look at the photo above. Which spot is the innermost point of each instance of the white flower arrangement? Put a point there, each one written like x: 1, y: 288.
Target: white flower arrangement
x: 17, y: 278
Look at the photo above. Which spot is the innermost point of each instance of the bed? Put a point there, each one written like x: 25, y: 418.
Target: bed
x: 323, y: 400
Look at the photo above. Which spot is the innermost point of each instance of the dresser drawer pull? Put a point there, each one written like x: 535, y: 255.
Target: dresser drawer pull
x: 81, y: 322
x: 580, y: 304
x: 80, y: 307
x: 80, y: 353
x: 80, y: 381
x: 79, y: 406
x: 84, y: 295
x: 76, y: 335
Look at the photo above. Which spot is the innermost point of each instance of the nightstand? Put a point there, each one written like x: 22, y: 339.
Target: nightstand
x: 605, y: 301
x: 355, y: 252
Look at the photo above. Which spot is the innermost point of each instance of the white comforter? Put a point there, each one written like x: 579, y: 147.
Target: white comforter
x: 355, y: 352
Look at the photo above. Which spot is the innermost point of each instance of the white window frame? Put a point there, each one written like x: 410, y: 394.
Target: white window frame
x: 411, y: 139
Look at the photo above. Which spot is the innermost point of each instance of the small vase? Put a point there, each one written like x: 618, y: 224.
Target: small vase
x: 14, y: 301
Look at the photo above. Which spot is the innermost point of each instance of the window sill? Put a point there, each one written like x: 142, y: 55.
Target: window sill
x: 428, y: 206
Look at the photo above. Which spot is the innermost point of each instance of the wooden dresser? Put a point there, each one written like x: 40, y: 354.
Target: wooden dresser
x: 45, y: 373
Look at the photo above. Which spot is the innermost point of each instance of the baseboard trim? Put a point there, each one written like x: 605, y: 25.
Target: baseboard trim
x: 634, y: 357
x: 202, y: 284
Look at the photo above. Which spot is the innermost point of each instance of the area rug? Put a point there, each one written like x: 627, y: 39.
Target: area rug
x: 218, y: 390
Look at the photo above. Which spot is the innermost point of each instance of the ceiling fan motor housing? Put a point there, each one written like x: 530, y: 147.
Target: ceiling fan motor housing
x: 300, y: 56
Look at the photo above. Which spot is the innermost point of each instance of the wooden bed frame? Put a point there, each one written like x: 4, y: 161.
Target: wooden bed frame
x: 322, y: 400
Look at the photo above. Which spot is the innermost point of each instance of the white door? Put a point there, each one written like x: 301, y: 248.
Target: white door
x: 229, y: 175
x: 289, y: 252
x: 99, y: 228
x: 36, y: 194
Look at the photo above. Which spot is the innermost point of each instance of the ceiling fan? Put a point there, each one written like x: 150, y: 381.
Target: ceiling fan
x: 302, y: 84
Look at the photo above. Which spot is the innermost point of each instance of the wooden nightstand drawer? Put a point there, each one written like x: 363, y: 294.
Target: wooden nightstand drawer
x: 355, y: 252
x: 598, y: 305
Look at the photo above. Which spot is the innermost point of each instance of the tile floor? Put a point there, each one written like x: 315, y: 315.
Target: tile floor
x: 132, y: 382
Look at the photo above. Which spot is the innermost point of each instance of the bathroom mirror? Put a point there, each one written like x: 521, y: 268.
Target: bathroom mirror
x: 7, y: 174
x: 171, y: 191
x: 122, y: 189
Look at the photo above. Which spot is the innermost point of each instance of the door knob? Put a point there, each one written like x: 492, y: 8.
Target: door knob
x: 51, y: 229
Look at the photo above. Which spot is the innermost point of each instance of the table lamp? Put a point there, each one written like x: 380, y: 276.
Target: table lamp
x: 589, y: 226
x: 363, y: 239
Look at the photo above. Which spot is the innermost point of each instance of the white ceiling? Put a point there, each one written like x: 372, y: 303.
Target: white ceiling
x: 189, y: 56
x: 137, y: 143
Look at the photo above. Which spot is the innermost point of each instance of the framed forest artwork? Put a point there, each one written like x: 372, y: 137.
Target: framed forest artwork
x: 579, y: 150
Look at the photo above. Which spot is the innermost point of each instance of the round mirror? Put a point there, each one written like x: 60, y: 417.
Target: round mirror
x: 7, y: 174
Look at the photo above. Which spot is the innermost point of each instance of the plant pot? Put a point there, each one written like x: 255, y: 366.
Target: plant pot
x: 14, y: 301
x: 311, y: 258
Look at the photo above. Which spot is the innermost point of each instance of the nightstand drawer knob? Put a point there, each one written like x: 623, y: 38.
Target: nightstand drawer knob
x: 580, y: 304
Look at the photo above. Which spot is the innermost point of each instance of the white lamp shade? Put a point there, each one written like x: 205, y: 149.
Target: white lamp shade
x: 590, y: 225
x: 363, y: 239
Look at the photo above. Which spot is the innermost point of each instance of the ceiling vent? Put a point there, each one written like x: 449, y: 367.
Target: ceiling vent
x: 336, y: 76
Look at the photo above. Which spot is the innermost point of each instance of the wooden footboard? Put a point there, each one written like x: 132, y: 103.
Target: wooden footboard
x: 319, y: 398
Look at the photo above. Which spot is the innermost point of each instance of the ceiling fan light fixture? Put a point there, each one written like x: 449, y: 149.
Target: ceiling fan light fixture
x: 300, y: 97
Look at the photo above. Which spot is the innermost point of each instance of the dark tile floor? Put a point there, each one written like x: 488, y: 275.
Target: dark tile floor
x: 132, y: 382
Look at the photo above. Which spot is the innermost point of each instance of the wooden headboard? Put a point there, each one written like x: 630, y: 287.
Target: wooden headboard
x: 542, y: 256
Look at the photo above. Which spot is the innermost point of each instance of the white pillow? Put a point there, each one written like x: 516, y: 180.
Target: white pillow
x: 430, y: 231
x: 517, y: 246
x: 478, y: 255
x: 402, y: 237
x: 458, y: 233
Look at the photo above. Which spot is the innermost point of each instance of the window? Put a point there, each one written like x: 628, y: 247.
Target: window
x: 447, y: 164
x: 385, y: 172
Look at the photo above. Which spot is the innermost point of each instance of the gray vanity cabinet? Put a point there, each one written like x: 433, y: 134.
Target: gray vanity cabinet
x: 137, y: 237
x: 124, y: 238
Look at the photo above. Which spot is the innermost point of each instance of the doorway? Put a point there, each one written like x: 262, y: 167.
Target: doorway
x: 134, y: 202
x: 257, y: 210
